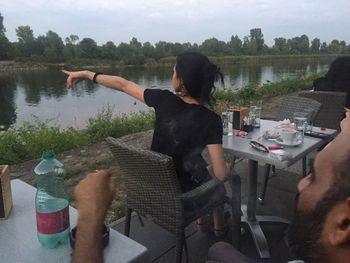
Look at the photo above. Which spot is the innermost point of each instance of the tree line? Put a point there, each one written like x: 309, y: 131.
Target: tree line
x: 52, y: 48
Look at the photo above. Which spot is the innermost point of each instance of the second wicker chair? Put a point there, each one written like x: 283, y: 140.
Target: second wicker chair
x: 332, y: 110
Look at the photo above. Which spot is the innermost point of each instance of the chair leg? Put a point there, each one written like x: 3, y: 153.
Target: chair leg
x: 141, y: 221
x: 180, y: 238
x: 261, y: 199
x: 186, y: 248
x: 127, y: 221
x: 273, y: 173
x: 236, y: 210
x: 304, y: 166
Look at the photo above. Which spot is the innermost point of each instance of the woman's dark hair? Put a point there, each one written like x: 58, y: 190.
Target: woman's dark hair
x: 339, y: 71
x: 337, y: 78
x: 198, y: 75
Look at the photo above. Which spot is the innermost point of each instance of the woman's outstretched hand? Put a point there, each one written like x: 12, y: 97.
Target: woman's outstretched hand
x: 73, y: 77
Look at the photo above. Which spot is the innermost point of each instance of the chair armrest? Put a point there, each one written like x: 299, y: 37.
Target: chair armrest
x: 202, y: 189
x: 210, y: 185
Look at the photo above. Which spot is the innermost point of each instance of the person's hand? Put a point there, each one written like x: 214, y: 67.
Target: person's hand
x: 94, y: 194
x: 74, y: 77
x: 345, y: 123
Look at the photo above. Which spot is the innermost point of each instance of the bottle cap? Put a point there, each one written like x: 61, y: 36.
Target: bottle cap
x: 49, y: 154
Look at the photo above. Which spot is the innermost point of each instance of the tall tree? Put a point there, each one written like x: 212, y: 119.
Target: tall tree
x: 257, y: 40
x: 109, y: 50
x: 299, y: 44
x: 4, y: 42
x: 214, y: 47
x: 235, y: 45
x: 304, y: 44
x: 246, y: 45
x: 88, y: 48
x: 315, y: 45
x: 26, y: 41
x: 70, y: 49
x: 148, y: 50
x: 134, y: 43
x: 324, y: 47
x: 343, y: 47
x: 162, y: 49
x: 281, y: 45
x: 53, y: 46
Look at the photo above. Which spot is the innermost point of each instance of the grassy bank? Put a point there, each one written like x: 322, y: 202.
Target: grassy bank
x: 256, y: 92
x: 29, y: 140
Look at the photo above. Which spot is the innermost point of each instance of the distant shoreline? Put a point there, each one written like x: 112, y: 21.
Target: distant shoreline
x: 29, y: 65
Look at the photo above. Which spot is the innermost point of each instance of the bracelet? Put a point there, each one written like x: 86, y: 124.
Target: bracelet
x: 95, y: 76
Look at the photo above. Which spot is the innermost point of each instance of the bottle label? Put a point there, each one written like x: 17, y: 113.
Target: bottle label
x: 52, y: 223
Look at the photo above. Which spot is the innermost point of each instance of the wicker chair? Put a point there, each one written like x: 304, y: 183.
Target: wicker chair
x: 287, y: 107
x: 153, y: 191
x: 332, y: 109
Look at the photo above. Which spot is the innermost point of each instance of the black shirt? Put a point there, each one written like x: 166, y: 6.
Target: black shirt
x: 182, y: 131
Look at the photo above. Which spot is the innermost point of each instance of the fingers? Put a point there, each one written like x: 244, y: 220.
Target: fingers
x: 65, y: 72
x: 69, y: 79
x: 103, y: 173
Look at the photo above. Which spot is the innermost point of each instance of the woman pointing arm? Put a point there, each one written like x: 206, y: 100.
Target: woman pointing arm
x: 113, y: 82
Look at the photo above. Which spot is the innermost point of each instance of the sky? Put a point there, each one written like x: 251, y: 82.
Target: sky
x: 179, y: 20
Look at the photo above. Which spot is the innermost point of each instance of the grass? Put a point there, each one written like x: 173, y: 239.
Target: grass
x: 253, y: 92
x: 104, y: 124
x: 31, y: 139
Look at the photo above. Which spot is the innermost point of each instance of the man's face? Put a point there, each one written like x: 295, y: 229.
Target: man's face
x: 305, y: 233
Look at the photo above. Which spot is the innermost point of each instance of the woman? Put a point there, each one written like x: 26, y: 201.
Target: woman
x: 183, y: 126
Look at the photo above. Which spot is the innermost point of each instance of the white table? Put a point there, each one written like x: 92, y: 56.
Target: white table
x: 19, y: 243
x: 240, y: 147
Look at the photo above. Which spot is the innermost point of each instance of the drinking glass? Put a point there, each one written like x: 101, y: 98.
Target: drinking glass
x: 310, y: 115
x: 255, y: 113
x: 300, y: 121
x: 227, y: 122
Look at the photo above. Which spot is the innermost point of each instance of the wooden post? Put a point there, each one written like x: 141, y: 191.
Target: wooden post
x: 5, y: 192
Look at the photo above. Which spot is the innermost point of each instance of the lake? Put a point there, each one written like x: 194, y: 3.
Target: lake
x: 30, y: 95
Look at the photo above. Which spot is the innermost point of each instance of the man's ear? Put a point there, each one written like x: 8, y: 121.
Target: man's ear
x: 339, y: 232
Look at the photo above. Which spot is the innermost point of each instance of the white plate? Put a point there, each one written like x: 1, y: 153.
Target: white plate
x: 280, y: 141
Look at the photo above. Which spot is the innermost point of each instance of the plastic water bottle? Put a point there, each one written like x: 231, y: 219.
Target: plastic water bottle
x: 51, y: 202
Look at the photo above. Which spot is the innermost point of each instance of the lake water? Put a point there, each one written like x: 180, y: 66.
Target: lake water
x: 25, y: 96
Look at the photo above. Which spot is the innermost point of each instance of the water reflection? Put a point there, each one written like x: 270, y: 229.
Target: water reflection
x: 44, y: 93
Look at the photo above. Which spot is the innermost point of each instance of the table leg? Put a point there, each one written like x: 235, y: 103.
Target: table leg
x: 252, y: 188
x: 250, y: 217
x: 304, y: 166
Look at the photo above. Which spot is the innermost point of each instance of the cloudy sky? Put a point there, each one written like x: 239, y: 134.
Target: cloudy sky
x: 179, y: 20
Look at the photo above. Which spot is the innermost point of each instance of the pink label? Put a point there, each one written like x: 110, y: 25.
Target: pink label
x: 52, y: 223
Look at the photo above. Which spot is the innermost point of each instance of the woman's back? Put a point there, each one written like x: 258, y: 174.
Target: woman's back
x: 182, y: 131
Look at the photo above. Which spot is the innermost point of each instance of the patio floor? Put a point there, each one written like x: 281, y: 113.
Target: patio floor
x: 279, y: 202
